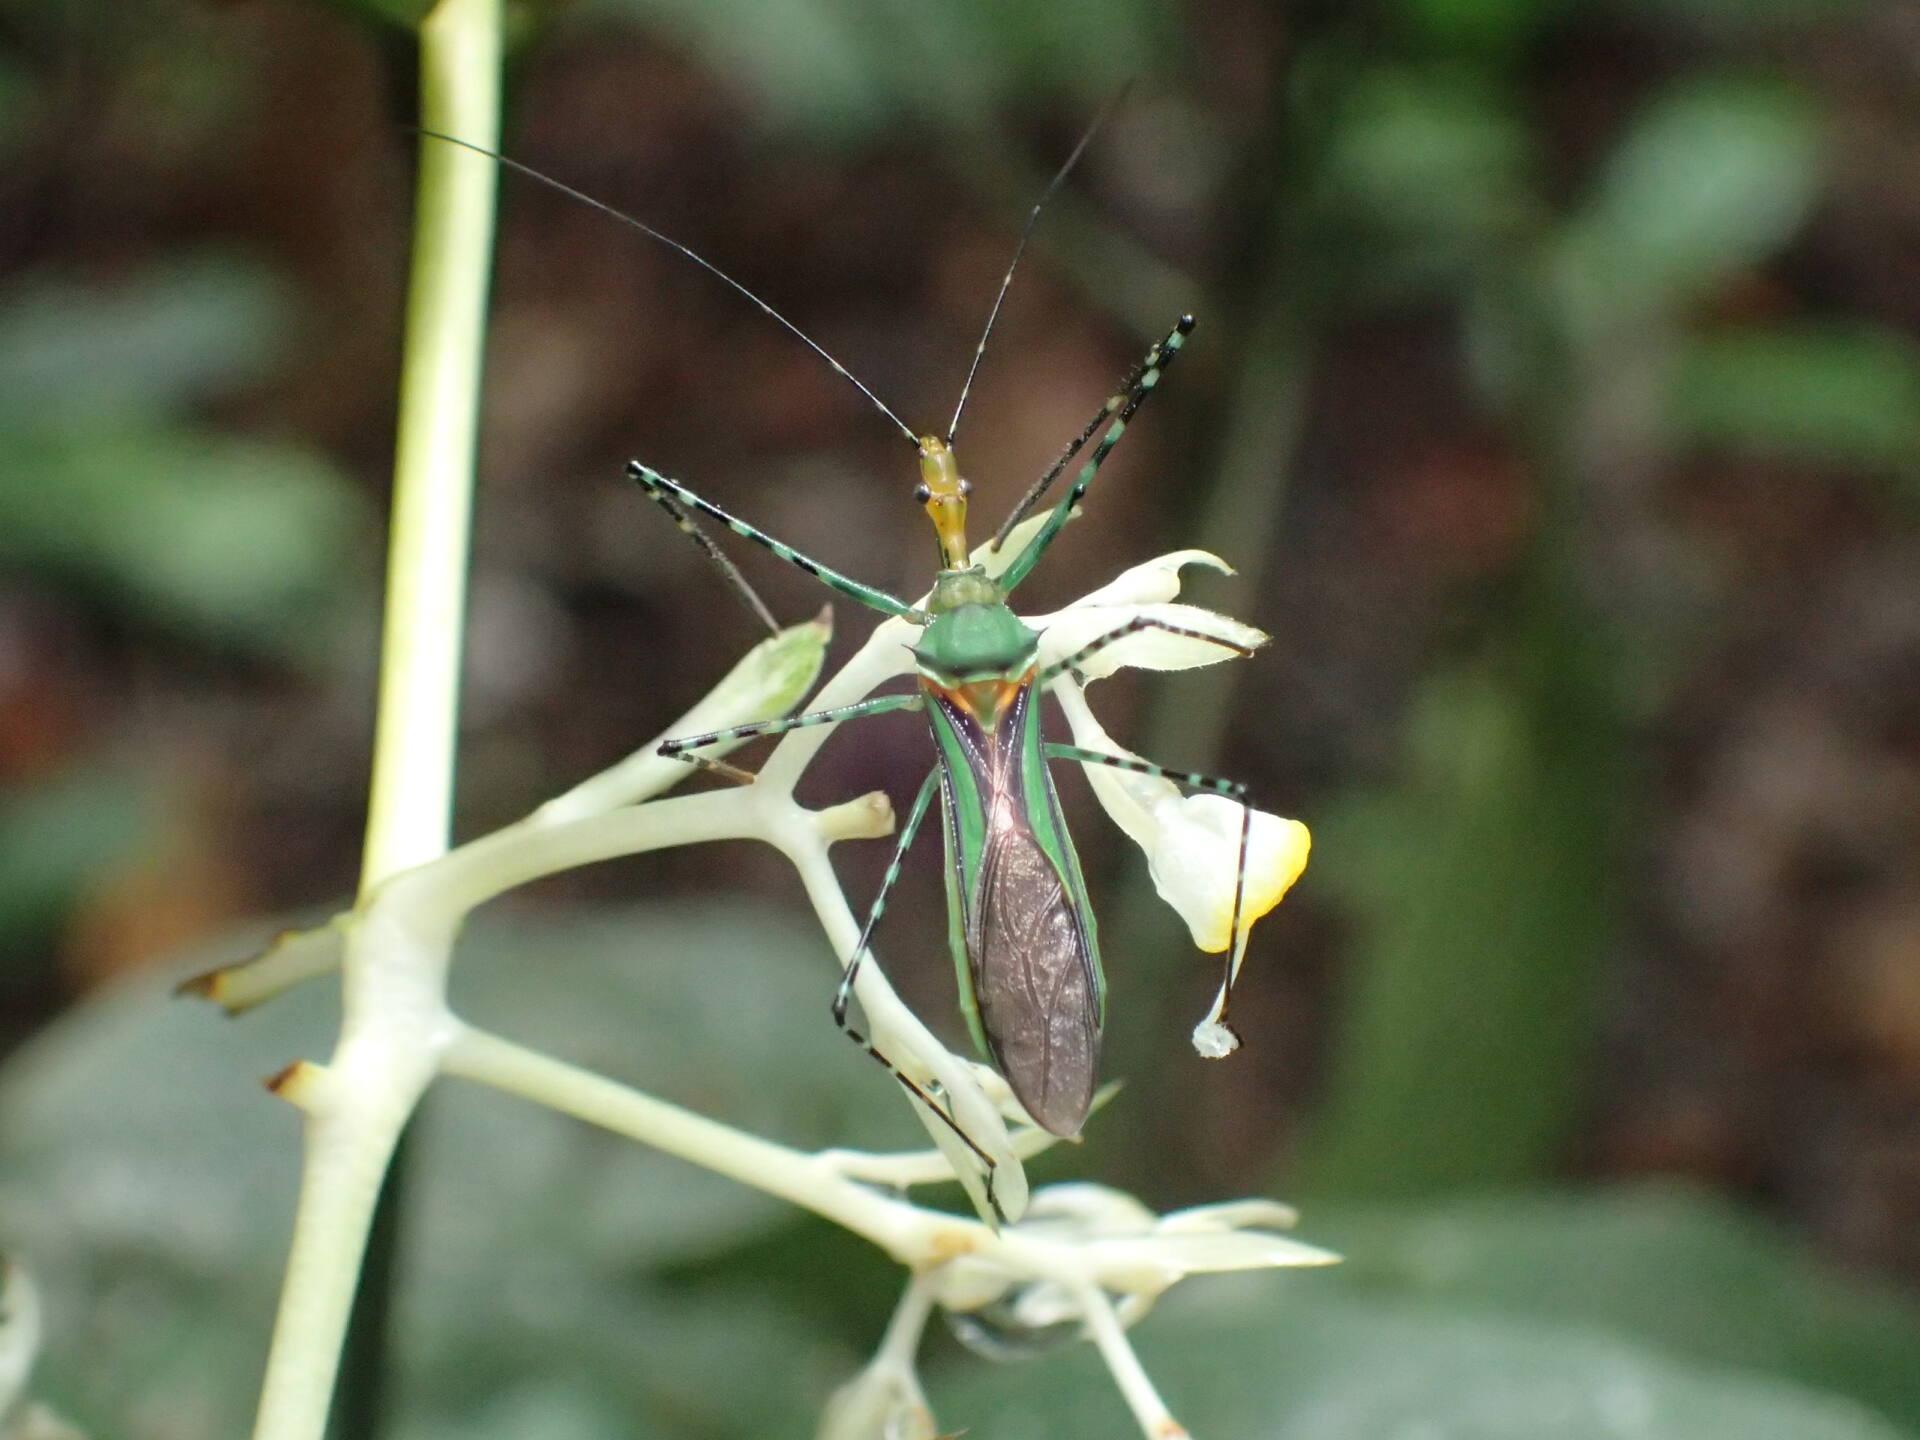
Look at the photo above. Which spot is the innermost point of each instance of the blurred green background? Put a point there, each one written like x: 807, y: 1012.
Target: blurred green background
x: 1556, y: 394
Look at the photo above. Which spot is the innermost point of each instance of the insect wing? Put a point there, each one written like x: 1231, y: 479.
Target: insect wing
x: 1029, y: 957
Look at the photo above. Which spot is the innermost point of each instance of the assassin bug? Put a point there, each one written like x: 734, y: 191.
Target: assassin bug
x: 1019, y: 922
x: 1020, y: 926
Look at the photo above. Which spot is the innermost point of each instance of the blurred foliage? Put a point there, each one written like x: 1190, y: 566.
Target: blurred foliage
x: 567, y: 1283
x: 116, y: 488
x: 107, y: 481
x: 1481, y: 877
x: 848, y: 72
x: 1611, y: 271
x: 1842, y: 394
x: 56, y: 834
x: 1711, y: 176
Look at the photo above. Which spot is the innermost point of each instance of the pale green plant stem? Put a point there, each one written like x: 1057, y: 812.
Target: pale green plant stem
x: 916, y: 1237
x: 411, y: 800
x: 393, y: 966
x: 895, y: 1226
x: 397, y: 1031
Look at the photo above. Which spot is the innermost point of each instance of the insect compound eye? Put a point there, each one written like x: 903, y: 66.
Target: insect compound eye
x: 921, y: 493
x: 966, y: 487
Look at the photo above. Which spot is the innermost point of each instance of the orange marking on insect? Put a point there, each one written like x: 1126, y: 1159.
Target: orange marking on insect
x: 984, y: 701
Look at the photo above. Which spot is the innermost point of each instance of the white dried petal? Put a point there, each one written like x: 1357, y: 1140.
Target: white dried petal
x: 1147, y: 648
x: 1152, y: 581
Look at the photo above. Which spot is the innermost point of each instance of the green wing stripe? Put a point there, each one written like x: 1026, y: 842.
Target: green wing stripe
x: 963, y: 811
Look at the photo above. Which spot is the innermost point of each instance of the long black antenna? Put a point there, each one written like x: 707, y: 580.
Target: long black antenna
x: 1026, y: 234
x: 704, y: 264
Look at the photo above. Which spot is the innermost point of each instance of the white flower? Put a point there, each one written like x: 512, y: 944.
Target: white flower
x: 1128, y: 1253
x: 1086, y: 1262
x: 1192, y: 841
x: 883, y: 1402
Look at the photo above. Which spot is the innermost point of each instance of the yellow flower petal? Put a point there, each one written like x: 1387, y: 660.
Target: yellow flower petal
x: 1195, y: 863
x: 1192, y: 842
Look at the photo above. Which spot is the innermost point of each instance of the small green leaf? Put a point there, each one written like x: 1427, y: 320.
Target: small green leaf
x: 1846, y: 394
x: 1714, y: 176
x: 74, y: 353
x: 237, y: 541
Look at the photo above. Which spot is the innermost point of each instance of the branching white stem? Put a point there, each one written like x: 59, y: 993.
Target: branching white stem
x: 1136, y: 1387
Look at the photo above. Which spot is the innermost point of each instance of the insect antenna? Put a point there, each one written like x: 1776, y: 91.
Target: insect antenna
x: 693, y: 255
x: 1020, y: 248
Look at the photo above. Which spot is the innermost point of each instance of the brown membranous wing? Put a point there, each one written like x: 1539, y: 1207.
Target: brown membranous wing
x: 1032, y: 976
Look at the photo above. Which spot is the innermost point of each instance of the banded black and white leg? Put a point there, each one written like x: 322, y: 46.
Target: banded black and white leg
x: 683, y: 747
x: 1157, y: 360
x: 1234, y: 790
x: 729, y: 571
x: 1070, y: 664
x: 658, y: 486
x: 843, y: 994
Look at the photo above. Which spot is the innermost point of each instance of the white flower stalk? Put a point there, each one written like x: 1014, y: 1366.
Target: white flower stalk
x: 1086, y: 1260
x: 885, y: 1401
x: 1086, y: 1257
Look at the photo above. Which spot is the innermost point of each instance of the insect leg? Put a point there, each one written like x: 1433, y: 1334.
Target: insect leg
x: 1235, y: 790
x: 721, y: 768
x: 878, y: 705
x: 843, y: 994
x: 654, y: 483
x: 1157, y: 360
x: 907, y: 832
x: 1045, y: 483
x: 1071, y: 664
x: 729, y: 571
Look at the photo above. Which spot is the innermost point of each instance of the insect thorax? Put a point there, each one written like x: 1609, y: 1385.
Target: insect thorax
x: 973, y: 635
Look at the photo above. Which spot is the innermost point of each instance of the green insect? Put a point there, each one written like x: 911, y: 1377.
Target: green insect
x: 1020, y: 926
x: 1022, y: 932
